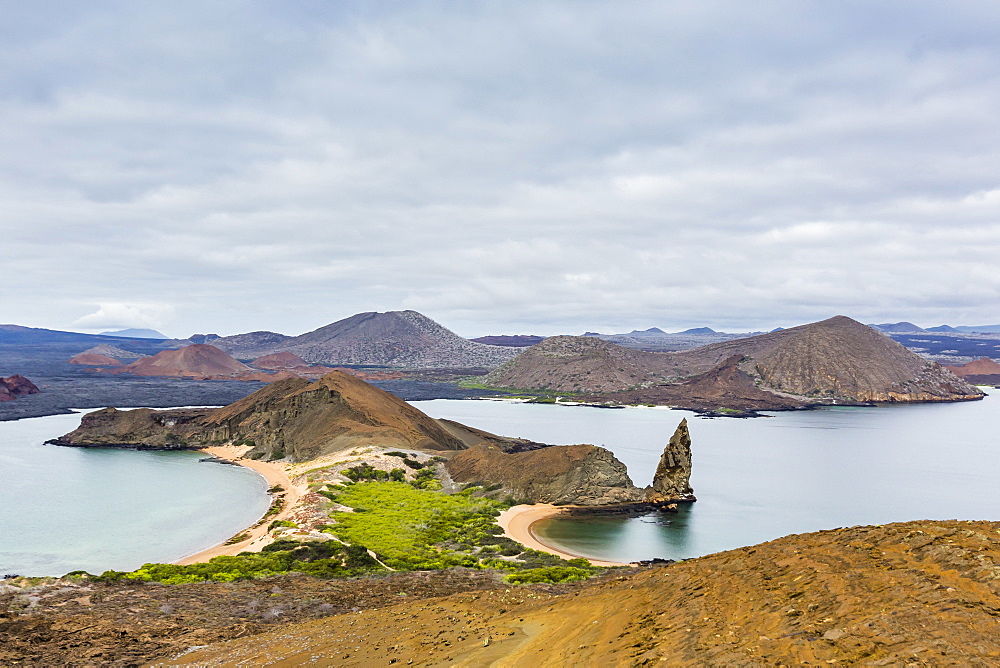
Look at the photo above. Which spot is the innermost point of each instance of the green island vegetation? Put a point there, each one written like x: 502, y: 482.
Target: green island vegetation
x: 407, y: 526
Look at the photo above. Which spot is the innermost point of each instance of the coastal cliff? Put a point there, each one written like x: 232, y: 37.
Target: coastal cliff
x: 585, y: 475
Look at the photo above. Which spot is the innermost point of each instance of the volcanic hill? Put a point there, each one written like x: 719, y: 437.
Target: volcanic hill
x: 836, y: 360
x: 194, y: 361
x: 16, y: 386
x: 395, y: 339
x: 984, y: 371
x: 94, y: 359
x: 292, y: 418
x: 276, y: 361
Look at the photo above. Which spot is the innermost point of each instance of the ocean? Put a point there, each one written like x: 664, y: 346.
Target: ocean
x: 93, y: 509
x: 762, y: 478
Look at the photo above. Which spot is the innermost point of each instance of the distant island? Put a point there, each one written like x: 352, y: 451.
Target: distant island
x: 835, y: 361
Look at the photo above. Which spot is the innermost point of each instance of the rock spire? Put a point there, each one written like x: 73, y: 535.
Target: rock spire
x: 672, y: 481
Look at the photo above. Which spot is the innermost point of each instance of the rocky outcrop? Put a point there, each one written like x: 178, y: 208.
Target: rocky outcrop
x: 585, y: 475
x: 16, y: 386
x: 672, y: 480
x: 140, y: 429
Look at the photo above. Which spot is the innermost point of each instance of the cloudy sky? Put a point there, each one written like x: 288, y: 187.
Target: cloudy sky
x: 502, y: 167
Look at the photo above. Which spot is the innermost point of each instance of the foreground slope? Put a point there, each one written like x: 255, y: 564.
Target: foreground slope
x: 916, y: 592
x: 837, y: 359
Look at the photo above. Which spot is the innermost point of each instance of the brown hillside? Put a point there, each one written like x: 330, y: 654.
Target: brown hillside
x: 914, y: 593
x: 840, y: 357
x: 981, y: 367
x: 195, y: 361
x: 727, y: 386
x: 836, y: 359
x: 277, y: 361
x: 982, y: 371
x: 292, y: 418
x: 577, y: 474
x: 583, y: 364
x: 94, y: 359
x: 16, y: 386
x: 303, y: 420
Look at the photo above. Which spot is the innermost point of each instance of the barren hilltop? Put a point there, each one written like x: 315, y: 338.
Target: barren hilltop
x: 837, y: 360
x: 394, y: 338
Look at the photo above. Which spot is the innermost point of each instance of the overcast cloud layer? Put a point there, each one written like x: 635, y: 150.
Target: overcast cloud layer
x: 502, y: 167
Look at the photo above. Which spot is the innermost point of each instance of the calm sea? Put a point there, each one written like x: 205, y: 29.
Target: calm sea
x: 762, y: 478
x: 65, y: 509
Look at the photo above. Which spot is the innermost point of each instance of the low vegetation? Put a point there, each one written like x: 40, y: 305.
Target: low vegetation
x: 405, y: 526
x: 326, y: 559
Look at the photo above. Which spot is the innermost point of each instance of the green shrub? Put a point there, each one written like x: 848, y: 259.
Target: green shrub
x: 398, y: 475
x: 319, y: 558
x: 403, y: 524
x: 549, y: 574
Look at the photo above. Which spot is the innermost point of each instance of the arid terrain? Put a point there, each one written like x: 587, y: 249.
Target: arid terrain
x: 924, y: 593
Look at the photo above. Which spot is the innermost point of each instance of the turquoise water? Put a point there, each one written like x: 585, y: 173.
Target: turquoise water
x: 65, y: 509
x: 762, y: 478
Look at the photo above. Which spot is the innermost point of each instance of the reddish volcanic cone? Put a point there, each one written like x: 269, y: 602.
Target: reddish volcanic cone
x: 94, y: 359
x: 16, y: 386
x: 980, y: 367
x: 195, y: 361
x: 983, y: 370
x: 277, y: 361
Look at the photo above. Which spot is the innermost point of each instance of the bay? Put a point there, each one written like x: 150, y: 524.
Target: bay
x: 65, y: 509
x: 763, y: 478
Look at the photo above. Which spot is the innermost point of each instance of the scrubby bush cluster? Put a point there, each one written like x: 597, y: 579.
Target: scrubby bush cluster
x: 549, y: 574
x: 414, y: 529
x: 325, y: 559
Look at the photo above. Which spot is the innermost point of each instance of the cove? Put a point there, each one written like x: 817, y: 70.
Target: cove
x: 94, y: 509
x: 762, y: 478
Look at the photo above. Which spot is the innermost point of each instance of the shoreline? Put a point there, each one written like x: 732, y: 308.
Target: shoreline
x: 517, y: 523
x: 259, y: 536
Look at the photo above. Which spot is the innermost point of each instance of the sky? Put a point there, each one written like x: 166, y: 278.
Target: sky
x: 502, y: 167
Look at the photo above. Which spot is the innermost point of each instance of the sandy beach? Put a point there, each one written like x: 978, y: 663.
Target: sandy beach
x: 276, y: 474
x: 517, y: 521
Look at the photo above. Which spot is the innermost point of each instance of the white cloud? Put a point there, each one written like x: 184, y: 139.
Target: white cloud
x: 550, y: 166
x: 124, y: 316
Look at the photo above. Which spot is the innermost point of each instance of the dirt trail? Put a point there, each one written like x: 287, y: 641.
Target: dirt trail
x: 917, y: 592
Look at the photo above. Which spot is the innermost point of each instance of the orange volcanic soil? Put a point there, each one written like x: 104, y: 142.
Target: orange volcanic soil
x: 94, y: 359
